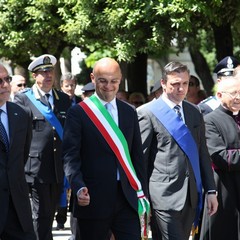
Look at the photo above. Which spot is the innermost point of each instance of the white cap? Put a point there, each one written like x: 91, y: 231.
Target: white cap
x: 44, y: 62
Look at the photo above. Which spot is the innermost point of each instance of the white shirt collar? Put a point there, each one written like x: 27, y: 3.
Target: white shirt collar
x: 43, y: 93
x: 4, y: 107
x: 113, y: 102
x: 170, y: 103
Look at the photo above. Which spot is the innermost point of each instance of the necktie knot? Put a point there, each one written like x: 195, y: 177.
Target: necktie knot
x: 109, y: 107
x: 177, y: 109
x: 47, y: 95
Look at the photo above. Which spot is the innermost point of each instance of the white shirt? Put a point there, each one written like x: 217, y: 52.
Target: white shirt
x: 114, y: 110
x: 50, y: 99
x: 172, y: 105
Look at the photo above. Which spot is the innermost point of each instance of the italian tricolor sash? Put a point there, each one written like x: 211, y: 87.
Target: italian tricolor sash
x: 116, y: 140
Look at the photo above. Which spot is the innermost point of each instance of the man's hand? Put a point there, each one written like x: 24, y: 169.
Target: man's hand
x: 212, y: 204
x: 83, y: 197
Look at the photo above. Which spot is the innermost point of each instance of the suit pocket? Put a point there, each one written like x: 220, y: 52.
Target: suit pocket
x: 160, y: 177
x: 38, y: 123
x: 33, y: 164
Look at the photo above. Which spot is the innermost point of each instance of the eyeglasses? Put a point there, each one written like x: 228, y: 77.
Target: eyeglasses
x: 7, y: 79
x: 22, y: 85
x: 234, y: 94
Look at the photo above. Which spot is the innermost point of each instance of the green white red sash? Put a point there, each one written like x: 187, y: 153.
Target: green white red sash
x: 116, y: 140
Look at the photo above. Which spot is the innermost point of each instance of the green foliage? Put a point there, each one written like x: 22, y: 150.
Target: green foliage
x: 118, y: 28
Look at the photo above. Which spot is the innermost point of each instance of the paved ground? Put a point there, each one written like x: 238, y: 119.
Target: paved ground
x: 62, y: 234
x: 66, y: 233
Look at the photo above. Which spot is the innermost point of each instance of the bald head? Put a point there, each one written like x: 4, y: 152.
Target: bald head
x: 106, y: 64
x: 230, y: 82
x: 106, y: 77
x: 229, y: 93
x: 5, y: 87
x: 3, y: 69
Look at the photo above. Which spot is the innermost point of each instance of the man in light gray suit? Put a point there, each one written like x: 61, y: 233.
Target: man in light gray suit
x: 179, y: 165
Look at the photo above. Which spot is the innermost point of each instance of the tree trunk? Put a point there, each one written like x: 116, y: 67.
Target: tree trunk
x: 202, y: 69
x: 137, y: 75
x: 223, y: 40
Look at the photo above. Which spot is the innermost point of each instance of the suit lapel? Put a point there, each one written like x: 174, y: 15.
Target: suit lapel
x: 13, y: 121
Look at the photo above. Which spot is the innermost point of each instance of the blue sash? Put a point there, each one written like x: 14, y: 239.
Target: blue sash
x: 180, y: 132
x: 47, y: 113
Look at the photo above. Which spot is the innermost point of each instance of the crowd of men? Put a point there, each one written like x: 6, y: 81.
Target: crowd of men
x: 171, y: 163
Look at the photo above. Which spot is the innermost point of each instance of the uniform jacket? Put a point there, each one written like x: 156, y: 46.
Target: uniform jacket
x: 12, y: 177
x: 45, y: 162
x: 169, y: 169
x: 90, y: 162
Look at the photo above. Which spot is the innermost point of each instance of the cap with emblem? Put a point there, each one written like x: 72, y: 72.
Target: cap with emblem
x: 44, y: 62
x: 89, y: 87
x: 226, y: 66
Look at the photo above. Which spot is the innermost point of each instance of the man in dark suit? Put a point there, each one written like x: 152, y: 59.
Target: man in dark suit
x: 68, y: 83
x: 15, y: 138
x: 44, y: 169
x: 178, y: 160
x: 95, y: 164
x: 223, y: 141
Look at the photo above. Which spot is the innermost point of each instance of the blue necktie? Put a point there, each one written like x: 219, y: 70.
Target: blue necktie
x: 109, y: 107
x: 177, y: 110
x: 47, y: 95
x: 3, y: 134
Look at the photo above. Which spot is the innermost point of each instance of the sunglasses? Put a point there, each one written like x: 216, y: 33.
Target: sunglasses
x: 22, y: 85
x: 7, y: 79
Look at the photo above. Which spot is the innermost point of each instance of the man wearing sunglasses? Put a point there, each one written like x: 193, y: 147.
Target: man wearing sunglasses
x: 15, y: 139
x: 18, y: 83
x: 44, y: 170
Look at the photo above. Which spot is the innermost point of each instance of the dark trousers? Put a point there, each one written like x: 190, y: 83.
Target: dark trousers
x: 12, y: 229
x: 175, y: 225
x: 61, y: 215
x: 44, y: 200
x: 124, y: 223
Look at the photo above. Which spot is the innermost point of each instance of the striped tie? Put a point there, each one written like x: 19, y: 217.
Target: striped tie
x: 177, y: 110
x: 3, y: 134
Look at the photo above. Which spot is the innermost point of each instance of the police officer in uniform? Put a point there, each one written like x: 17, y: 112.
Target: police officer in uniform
x: 223, y: 69
x: 44, y: 170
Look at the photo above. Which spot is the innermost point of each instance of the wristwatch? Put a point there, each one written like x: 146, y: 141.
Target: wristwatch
x: 212, y: 192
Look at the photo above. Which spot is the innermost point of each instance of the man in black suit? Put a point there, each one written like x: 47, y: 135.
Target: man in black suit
x: 44, y: 169
x: 178, y: 160
x: 95, y: 144
x: 15, y: 138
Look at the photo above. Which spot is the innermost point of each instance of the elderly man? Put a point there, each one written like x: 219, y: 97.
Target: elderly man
x: 44, y: 169
x: 223, y: 141
x: 15, y: 138
x: 223, y: 69
x: 18, y: 83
